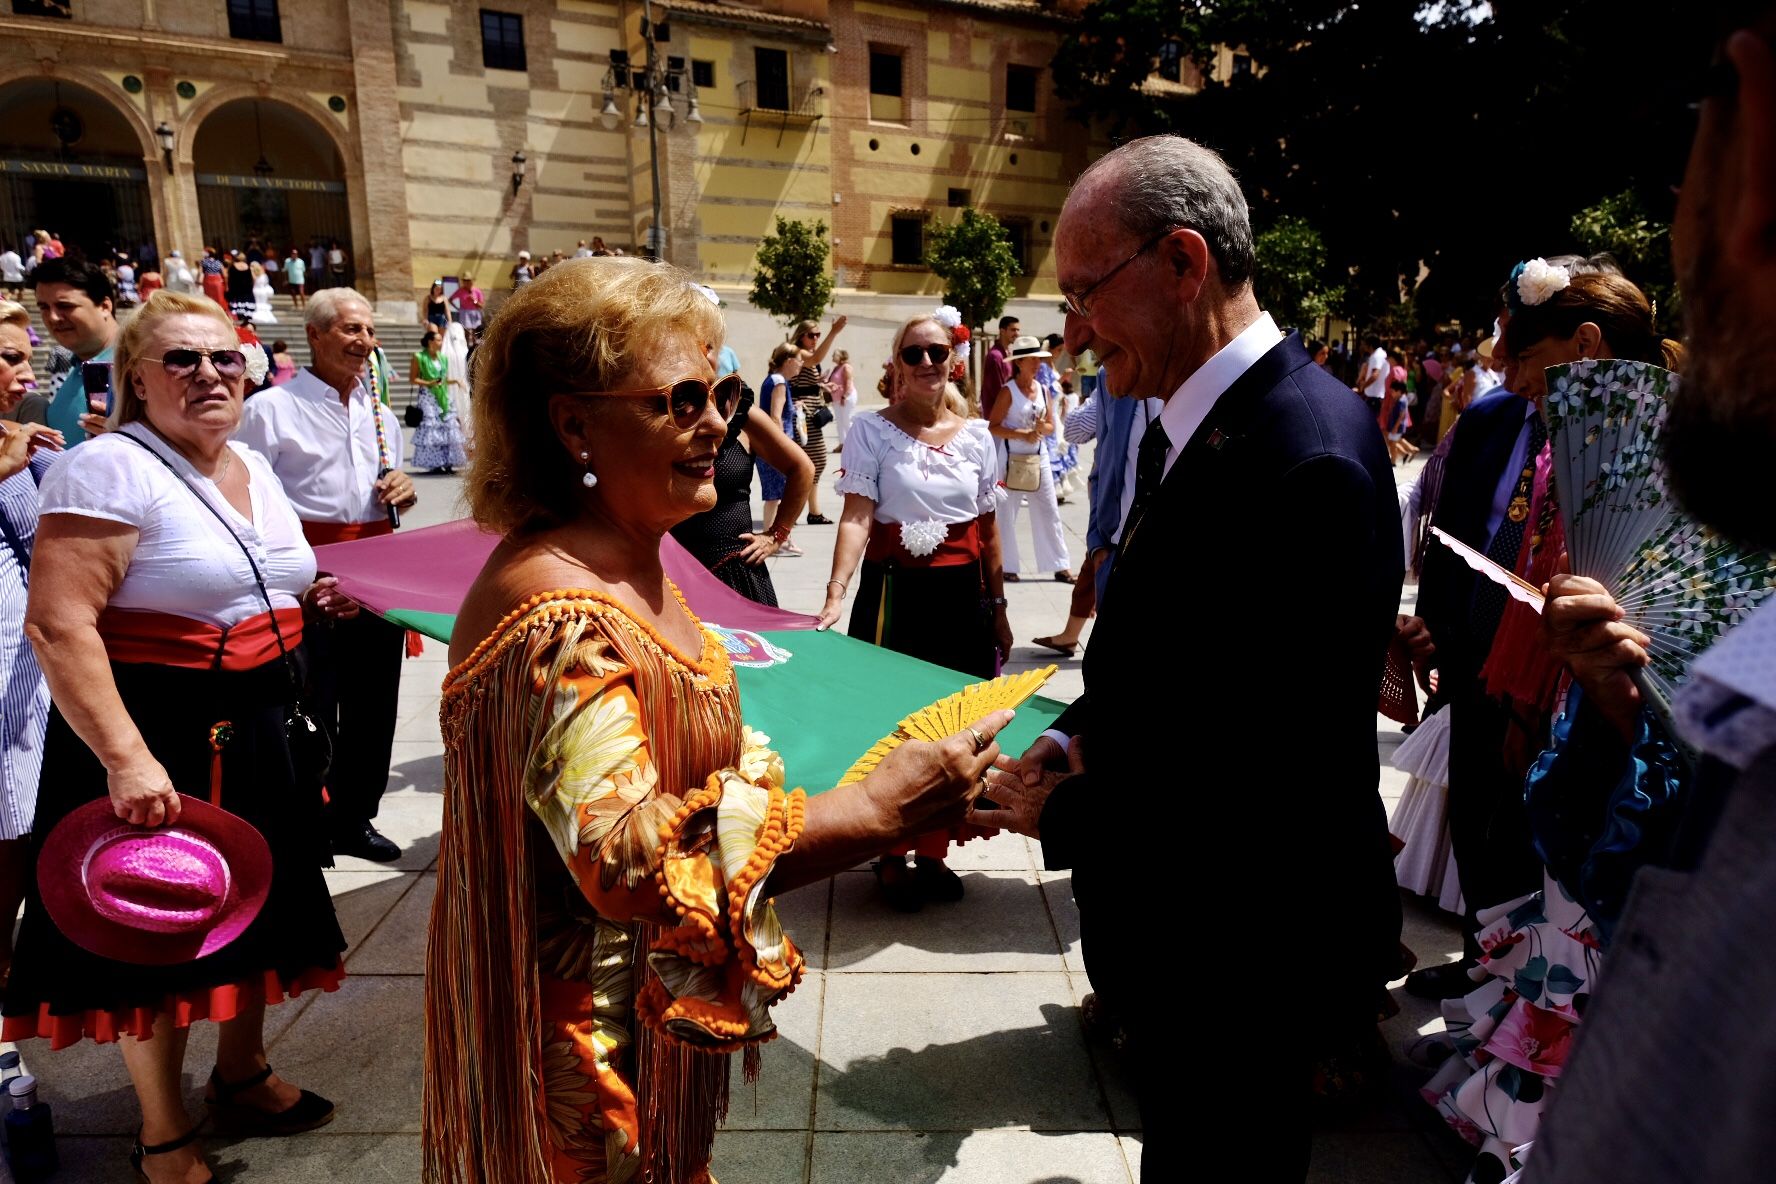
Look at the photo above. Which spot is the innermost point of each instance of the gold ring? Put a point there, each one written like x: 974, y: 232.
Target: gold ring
x: 980, y: 741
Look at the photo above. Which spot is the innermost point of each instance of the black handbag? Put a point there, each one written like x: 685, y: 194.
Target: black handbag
x: 413, y: 416
x: 311, y: 745
x: 819, y: 417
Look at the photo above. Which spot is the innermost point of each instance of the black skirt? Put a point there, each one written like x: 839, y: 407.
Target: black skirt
x: 938, y: 614
x: 59, y: 989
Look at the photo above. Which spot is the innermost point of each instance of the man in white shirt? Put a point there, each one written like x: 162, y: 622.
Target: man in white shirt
x: 584, y: 252
x: 337, y: 450
x: 1372, y: 380
x: 12, y: 273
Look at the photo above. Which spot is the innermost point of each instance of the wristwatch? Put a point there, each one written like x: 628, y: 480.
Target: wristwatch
x: 998, y: 602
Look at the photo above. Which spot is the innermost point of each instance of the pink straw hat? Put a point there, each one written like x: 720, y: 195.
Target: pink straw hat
x: 153, y: 897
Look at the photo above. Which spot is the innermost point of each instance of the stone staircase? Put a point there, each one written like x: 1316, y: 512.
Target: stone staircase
x: 400, y: 340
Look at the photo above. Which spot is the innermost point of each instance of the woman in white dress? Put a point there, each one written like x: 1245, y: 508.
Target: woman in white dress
x: 456, y: 369
x: 262, y: 314
x: 1023, y: 416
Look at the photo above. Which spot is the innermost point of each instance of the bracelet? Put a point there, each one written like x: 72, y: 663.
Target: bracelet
x: 998, y: 602
x: 840, y: 583
x: 780, y: 532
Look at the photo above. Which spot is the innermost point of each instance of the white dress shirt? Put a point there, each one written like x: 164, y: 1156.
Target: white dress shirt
x: 323, y: 451
x: 1191, y: 403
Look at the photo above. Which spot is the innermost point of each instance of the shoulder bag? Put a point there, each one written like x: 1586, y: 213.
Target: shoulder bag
x: 311, y: 746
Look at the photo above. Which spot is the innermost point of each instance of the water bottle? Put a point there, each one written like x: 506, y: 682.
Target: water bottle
x: 30, y: 1133
x: 9, y: 1068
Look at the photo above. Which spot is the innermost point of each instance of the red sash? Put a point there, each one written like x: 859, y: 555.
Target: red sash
x: 320, y: 534
x: 961, y: 545
x: 163, y: 639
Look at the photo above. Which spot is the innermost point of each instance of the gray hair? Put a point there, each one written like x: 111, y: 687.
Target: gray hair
x: 323, y: 306
x: 1163, y: 183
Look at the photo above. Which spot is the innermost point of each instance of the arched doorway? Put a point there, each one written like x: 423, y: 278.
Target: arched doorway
x: 268, y: 174
x: 72, y: 164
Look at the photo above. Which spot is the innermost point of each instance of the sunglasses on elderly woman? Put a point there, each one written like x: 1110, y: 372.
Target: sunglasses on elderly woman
x: 912, y: 355
x: 686, y: 400
x: 183, y: 363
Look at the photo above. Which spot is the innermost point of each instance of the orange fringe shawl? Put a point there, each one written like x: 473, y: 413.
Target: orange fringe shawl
x: 484, y: 1119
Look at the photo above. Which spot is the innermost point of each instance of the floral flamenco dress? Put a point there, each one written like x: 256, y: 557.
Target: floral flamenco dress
x: 438, y: 441
x: 600, y: 938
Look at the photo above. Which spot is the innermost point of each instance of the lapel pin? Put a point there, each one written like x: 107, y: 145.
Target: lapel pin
x: 1216, y: 439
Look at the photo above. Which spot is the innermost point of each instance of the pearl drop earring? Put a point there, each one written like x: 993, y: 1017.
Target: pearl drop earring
x: 589, y: 478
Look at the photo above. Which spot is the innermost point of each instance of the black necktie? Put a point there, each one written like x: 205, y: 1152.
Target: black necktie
x: 1507, y: 543
x: 1150, y: 467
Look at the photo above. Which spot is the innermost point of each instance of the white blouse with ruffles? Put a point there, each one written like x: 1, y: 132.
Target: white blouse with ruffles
x: 912, y: 482
x: 184, y: 562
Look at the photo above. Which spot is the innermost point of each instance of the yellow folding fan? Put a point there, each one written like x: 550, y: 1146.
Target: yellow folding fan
x: 951, y: 714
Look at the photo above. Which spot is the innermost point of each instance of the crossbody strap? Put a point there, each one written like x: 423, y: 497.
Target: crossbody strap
x: 258, y: 579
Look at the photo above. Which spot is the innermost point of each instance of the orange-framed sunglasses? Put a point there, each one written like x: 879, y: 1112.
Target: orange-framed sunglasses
x: 687, y: 399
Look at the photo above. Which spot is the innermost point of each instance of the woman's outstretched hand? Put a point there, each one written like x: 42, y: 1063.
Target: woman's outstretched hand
x: 923, y: 786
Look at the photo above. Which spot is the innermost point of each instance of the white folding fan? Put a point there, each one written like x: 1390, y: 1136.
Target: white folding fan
x: 1677, y: 581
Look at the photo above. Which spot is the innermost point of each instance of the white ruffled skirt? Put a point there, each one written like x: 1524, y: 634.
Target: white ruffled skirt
x: 1425, y: 866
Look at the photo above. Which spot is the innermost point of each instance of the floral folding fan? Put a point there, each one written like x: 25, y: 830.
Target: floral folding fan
x: 951, y: 714
x: 1678, y: 582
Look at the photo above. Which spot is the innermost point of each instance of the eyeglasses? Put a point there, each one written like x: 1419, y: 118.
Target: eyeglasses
x: 912, y: 355
x: 183, y: 363
x: 686, y: 400
x: 1075, y: 301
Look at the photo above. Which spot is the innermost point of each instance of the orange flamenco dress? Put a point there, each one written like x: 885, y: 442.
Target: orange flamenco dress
x: 600, y: 939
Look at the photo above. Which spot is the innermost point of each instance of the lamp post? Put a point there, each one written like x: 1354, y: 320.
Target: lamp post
x: 517, y: 171
x: 653, y: 101
x: 164, y: 134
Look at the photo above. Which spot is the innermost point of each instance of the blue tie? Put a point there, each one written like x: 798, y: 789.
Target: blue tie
x: 1507, y: 543
x: 1150, y: 465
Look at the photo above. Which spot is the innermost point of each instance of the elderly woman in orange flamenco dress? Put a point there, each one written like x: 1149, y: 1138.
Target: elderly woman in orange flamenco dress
x: 603, y: 933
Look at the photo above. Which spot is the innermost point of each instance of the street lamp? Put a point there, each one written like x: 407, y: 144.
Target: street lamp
x: 517, y: 171
x: 652, y: 87
x: 164, y: 134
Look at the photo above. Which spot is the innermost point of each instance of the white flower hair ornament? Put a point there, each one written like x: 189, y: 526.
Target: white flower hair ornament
x: 961, y: 351
x: 947, y: 316
x: 257, y: 364
x: 922, y: 538
x: 1537, y: 280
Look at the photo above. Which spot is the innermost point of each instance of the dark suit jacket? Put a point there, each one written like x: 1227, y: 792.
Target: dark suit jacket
x: 1228, y: 819
x: 1484, y: 437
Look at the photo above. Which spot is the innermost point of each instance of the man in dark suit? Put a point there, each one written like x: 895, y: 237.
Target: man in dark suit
x: 1220, y: 812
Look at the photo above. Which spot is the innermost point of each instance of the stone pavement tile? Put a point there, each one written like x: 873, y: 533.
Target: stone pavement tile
x: 319, y: 1157
x: 760, y: 1157
x: 90, y: 1092
x: 363, y: 1047
x: 999, y: 925
x: 1002, y: 852
x: 414, y: 819
x: 1131, y: 1151
x: 1119, y: 1091
x: 363, y: 899
x: 804, y: 914
x: 418, y: 765
x: 917, y: 1051
x: 88, y: 1158
x: 418, y: 722
x: 1057, y: 889
x: 782, y: 1098
x: 1342, y: 1157
x: 967, y: 1157
x: 398, y: 944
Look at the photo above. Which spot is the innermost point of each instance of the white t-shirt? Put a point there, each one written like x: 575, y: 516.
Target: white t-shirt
x: 184, y: 563
x: 12, y: 268
x: 324, y: 453
x: 1378, y: 375
x: 914, y: 482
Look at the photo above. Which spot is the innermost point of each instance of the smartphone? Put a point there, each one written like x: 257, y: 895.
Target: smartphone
x: 96, y: 377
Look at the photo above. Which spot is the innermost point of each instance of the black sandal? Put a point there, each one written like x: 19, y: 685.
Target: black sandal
x: 310, y: 1110
x: 819, y: 520
x: 141, y: 1152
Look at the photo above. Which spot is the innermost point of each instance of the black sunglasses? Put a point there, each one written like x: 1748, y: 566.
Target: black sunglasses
x: 912, y: 355
x: 687, y: 400
x: 183, y: 363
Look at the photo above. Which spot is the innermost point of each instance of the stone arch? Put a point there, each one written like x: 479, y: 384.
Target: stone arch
x: 313, y: 116
x: 107, y: 189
